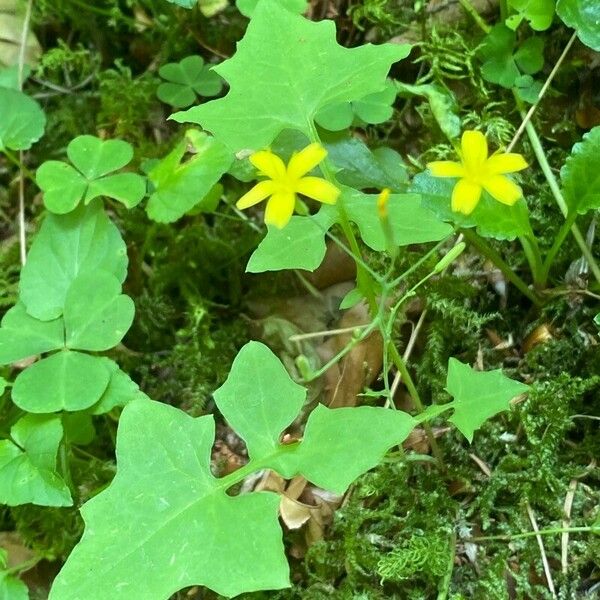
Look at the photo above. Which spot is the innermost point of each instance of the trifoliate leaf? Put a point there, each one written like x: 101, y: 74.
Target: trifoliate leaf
x: 442, y: 103
x: 539, y: 13
x: 28, y: 464
x: 65, y: 186
x: 22, y: 335
x: 580, y: 175
x: 527, y: 88
x: 180, y: 186
x: 96, y: 314
x: 186, y: 80
x: 302, y: 58
x: 299, y: 245
x: 271, y: 399
x: 82, y: 241
x: 530, y: 55
x: 331, y: 433
x: 78, y: 427
x: 160, y: 525
x: 22, y: 122
x: 410, y: 222
x: 121, y: 390
x: 63, y: 381
x: 478, y: 395
x: 247, y: 7
x: 584, y: 17
x: 491, y: 218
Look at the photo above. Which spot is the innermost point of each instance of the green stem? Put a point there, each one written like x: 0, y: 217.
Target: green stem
x: 528, y: 534
x: 538, y: 149
x: 15, y: 161
x: 445, y: 584
x: 475, y: 15
x: 533, y: 255
x: 490, y: 253
x: 558, y: 241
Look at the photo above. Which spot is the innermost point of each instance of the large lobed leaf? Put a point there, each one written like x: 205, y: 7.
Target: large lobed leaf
x: 580, y: 175
x: 166, y: 523
x: 282, y: 84
x: 22, y: 120
x: 584, y: 17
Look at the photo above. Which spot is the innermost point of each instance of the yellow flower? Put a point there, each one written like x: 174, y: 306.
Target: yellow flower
x: 286, y: 181
x: 476, y: 172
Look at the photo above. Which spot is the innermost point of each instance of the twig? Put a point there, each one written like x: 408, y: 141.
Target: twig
x: 542, y: 550
x: 564, y: 542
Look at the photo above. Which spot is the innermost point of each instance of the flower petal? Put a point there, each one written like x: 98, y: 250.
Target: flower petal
x: 305, y: 160
x: 259, y: 192
x: 280, y: 209
x: 474, y: 150
x: 501, y: 163
x: 446, y: 168
x: 502, y: 189
x: 268, y: 163
x: 318, y: 189
x: 465, y: 196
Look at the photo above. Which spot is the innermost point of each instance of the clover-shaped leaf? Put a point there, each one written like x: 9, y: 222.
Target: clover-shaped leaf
x: 539, y: 13
x: 478, y: 395
x: 186, y: 80
x: 28, y: 464
x: 373, y: 108
x: 503, y: 63
x: 155, y: 529
x: 22, y: 122
x: 22, y: 335
x: 180, y: 186
x: 584, y: 17
x: 96, y: 314
x: 92, y: 175
x: 247, y: 117
x: 490, y: 217
x: 66, y: 380
x: 82, y: 241
x: 580, y: 175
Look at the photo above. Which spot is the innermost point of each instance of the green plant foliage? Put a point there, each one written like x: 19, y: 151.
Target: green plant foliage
x: 96, y: 314
x: 22, y: 335
x: 182, y: 186
x: 247, y: 7
x: 443, y: 105
x: 94, y: 160
x: 28, y: 463
x: 490, y: 218
x: 186, y: 80
x: 23, y: 120
x: 82, y: 241
x: 121, y: 390
x: 248, y: 118
x: 181, y: 504
x: 478, y: 395
x: 63, y: 381
x: 583, y: 16
x: 503, y: 63
x: 9, y: 76
x: 538, y: 13
x: 580, y: 175
x: 374, y: 108
x: 11, y: 587
x: 184, y: 3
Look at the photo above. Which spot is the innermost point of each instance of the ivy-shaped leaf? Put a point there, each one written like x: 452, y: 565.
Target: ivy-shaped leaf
x: 63, y: 381
x: 580, y: 175
x: 157, y: 527
x: 22, y: 122
x: 96, y: 315
x: 373, y: 108
x: 584, y: 17
x: 276, y: 86
x: 180, y: 186
x: 539, y: 13
x: 28, y: 464
x: 92, y: 175
x: 491, y: 218
x: 186, y: 80
x: 82, y: 241
x: 503, y: 63
x: 22, y: 335
x: 478, y: 395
